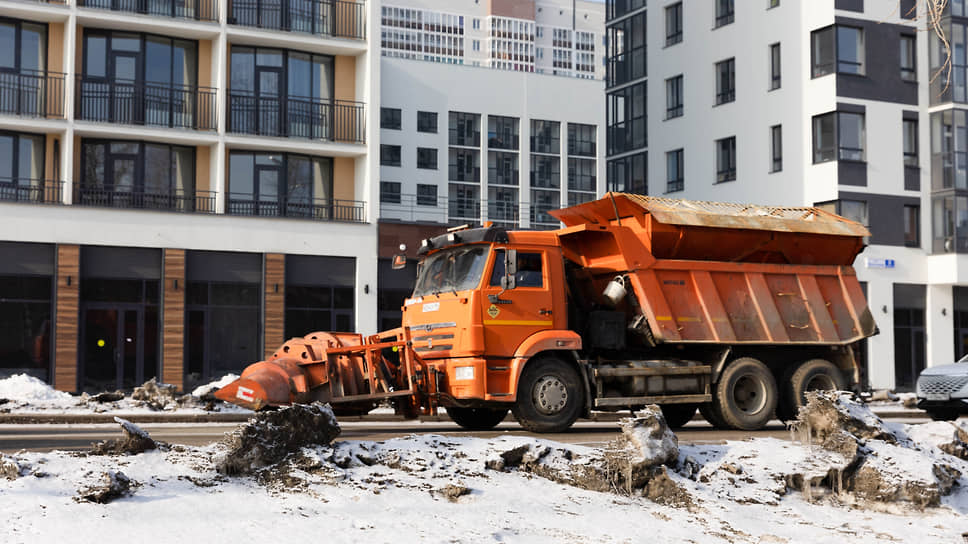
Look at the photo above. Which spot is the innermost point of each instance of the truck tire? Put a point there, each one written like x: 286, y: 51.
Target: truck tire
x: 943, y: 414
x: 549, y: 396
x: 477, y: 419
x: 677, y: 415
x: 708, y: 411
x: 745, y: 396
x: 813, y: 375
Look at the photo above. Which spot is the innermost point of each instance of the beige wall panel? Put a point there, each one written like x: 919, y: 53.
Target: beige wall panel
x: 173, y: 312
x: 275, y: 286
x: 344, y: 172
x: 67, y: 310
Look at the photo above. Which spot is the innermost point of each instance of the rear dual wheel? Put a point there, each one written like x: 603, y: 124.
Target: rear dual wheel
x: 745, y: 396
x: 477, y: 419
x: 812, y: 375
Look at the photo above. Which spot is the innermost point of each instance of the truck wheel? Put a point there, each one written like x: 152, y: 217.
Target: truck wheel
x: 549, y: 396
x: 477, y: 419
x: 745, y: 396
x: 813, y: 375
x: 708, y: 411
x: 677, y: 415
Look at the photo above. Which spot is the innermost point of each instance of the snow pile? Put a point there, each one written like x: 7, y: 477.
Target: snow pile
x: 24, y: 388
x: 25, y: 394
x: 134, y: 440
x: 508, y: 488
x: 649, y: 441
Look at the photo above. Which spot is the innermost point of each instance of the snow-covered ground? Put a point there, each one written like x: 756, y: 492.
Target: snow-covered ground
x: 23, y: 394
x: 428, y: 488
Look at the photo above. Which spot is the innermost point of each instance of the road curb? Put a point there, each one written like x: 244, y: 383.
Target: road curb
x: 64, y: 419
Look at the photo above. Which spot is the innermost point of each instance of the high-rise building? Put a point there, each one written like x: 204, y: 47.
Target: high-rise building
x: 183, y: 184
x: 833, y: 103
x: 626, y: 89
x: 558, y: 37
x: 473, y: 137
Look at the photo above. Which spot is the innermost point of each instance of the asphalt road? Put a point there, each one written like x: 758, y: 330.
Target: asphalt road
x: 14, y: 438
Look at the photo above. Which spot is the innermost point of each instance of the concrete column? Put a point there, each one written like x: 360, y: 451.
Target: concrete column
x: 939, y: 325
x: 563, y: 166
x: 880, y: 355
x: 484, y: 169
x: 524, y: 172
x: 366, y: 289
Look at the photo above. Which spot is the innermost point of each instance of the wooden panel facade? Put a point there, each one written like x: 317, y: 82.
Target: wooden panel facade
x: 66, y: 320
x: 275, y: 304
x: 173, y: 318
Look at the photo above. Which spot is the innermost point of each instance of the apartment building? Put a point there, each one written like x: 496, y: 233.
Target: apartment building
x: 832, y: 103
x: 558, y: 37
x: 183, y: 184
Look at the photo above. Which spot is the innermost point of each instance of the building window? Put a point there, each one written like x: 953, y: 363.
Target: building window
x: 775, y: 66
x: 838, y: 136
x: 132, y: 174
x: 725, y: 81
x: 673, y: 24
x: 390, y: 118
x: 724, y: 12
x: 838, y: 48
x: 855, y: 210
x: 427, y: 158
x: 628, y: 174
x: 464, y: 129
x: 427, y: 121
x: 319, y: 294
x: 912, y: 225
x: 281, y: 184
x: 389, y: 155
x: 950, y: 217
x: 773, y: 4
x: 390, y: 192
x: 627, y: 120
x: 910, y: 129
x: 674, y: 97
x: 626, y: 50
x: 674, y: 171
x: 426, y: 195
x: 502, y: 132
x: 581, y: 140
x: 908, y: 56
x: 726, y: 159
x: 545, y: 137
x: 26, y: 291
x: 776, y: 148
x: 22, y: 167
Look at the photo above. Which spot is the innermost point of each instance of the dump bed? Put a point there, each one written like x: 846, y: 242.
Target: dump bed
x: 705, y: 272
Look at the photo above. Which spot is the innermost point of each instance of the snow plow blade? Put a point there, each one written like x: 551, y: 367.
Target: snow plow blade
x: 344, y: 369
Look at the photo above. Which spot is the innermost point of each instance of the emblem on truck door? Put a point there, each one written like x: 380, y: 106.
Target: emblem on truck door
x: 493, y: 311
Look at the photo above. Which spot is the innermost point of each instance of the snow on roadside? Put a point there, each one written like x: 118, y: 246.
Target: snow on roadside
x: 26, y: 388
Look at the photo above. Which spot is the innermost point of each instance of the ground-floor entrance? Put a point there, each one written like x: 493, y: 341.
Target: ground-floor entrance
x: 113, y: 342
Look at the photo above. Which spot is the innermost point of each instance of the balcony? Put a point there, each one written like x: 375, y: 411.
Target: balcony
x: 31, y: 93
x: 471, y: 175
x: 37, y: 191
x: 199, y: 10
x: 331, y: 18
x: 174, y: 201
x: 349, y: 211
x: 297, y: 117
x: 146, y: 104
x: 413, y: 208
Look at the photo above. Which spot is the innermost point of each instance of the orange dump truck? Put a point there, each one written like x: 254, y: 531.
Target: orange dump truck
x: 732, y: 309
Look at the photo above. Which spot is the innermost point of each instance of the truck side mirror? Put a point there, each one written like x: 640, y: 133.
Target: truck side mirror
x: 399, y: 262
x: 510, y: 269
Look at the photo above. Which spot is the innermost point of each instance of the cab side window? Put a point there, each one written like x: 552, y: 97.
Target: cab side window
x: 529, y: 269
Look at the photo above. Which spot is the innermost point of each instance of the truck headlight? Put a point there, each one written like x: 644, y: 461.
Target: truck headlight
x: 464, y: 373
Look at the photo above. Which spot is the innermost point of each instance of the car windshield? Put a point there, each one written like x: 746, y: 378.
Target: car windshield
x: 455, y: 269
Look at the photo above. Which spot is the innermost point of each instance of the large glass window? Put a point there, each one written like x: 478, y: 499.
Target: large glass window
x: 775, y: 72
x: 838, y: 136
x: 22, y: 167
x: 838, y: 48
x: 909, y: 128
x: 427, y: 158
x: 141, y: 79
x: 776, y: 148
x: 26, y: 287
x: 545, y: 137
x: 464, y: 129
x: 581, y: 140
x: 949, y: 150
x: 626, y: 59
x: 320, y: 294
x: 390, y: 192
x: 949, y: 54
x: 281, y: 184
x: 502, y: 132
x: 912, y: 225
x: 627, y: 121
x: 627, y: 175
x: 389, y: 155
x: 427, y: 121
x: 909, y: 58
x: 23, y: 61
x: 950, y: 224
x: 390, y: 118
x: 275, y: 92
x: 132, y: 174
x: 724, y: 12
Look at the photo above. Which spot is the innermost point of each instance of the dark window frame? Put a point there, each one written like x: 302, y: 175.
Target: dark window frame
x: 726, y: 159
x: 726, y: 81
x: 725, y: 12
x: 912, y: 239
x: 675, y: 183
x: 910, y: 142
x: 776, y: 148
x: 391, y: 118
x: 427, y: 122
x: 909, y: 71
x: 387, y: 152
x: 427, y: 158
x: 674, y: 97
x: 426, y: 194
x: 776, y: 71
x: 390, y: 192
x: 835, y: 65
x: 582, y: 140
x: 673, y: 24
x: 837, y: 152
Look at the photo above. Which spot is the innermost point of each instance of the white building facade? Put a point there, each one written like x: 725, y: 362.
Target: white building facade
x: 827, y: 103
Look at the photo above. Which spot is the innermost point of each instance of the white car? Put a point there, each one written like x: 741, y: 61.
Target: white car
x: 943, y: 390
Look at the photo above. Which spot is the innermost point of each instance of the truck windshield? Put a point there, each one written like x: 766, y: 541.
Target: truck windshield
x: 455, y: 269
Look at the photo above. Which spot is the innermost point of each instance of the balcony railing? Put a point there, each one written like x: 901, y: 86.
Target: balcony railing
x: 352, y: 211
x: 32, y: 93
x: 336, y: 18
x: 413, y: 208
x: 148, y: 104
x: 200, y: 10
x: 472, y: 175
x: 297, y: 117
x: 176, y: 201
x: 38, y: 191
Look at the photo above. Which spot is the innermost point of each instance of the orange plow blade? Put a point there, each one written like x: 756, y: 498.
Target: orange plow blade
x: 266, y: 383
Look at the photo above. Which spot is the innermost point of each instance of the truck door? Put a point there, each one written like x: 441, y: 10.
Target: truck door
x: 520, y: 312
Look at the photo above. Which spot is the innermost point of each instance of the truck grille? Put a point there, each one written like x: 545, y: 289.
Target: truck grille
x: 941, y: 384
